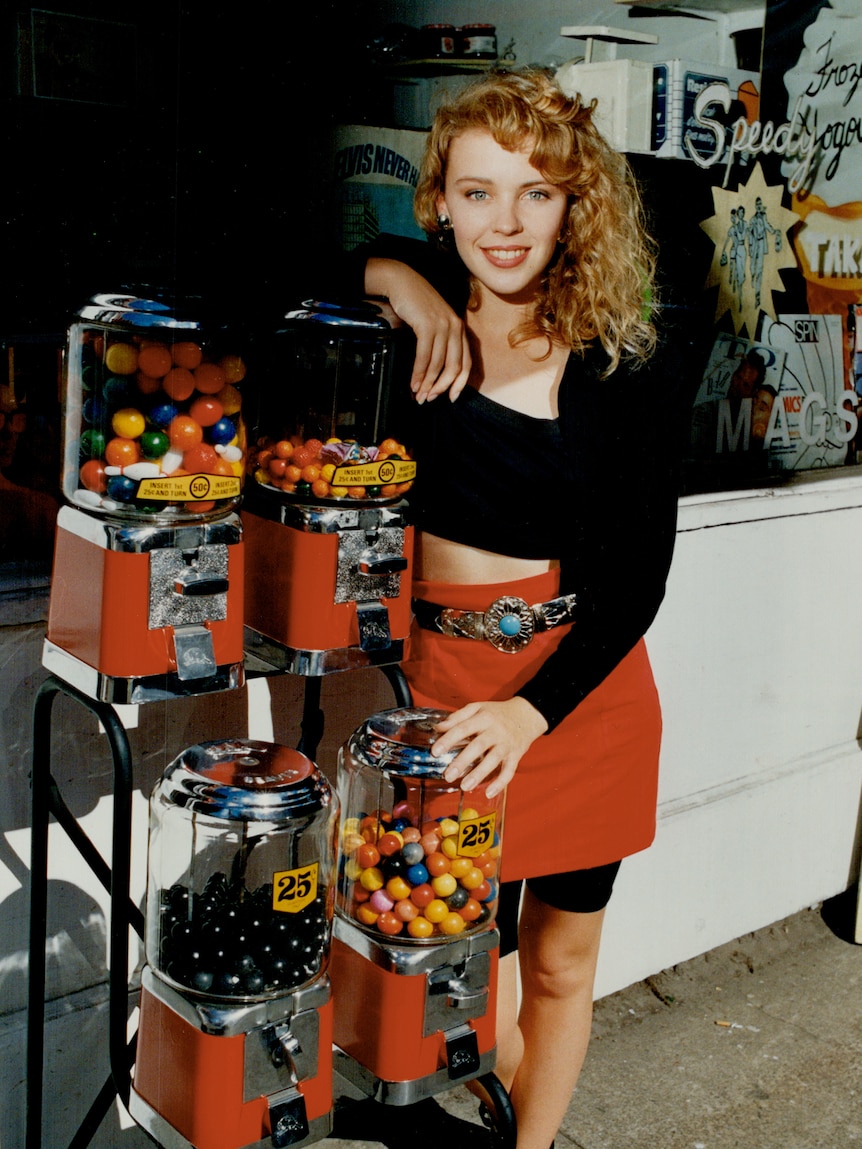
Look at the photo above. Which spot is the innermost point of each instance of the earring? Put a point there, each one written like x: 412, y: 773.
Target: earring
x: 443, y: 222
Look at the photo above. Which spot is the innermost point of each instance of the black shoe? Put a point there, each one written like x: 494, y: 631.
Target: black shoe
x: 423, y: 1125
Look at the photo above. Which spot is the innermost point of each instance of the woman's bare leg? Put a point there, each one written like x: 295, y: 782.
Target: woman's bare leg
x: 558, y: 952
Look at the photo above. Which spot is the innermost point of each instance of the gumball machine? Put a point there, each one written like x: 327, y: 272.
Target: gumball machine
x: 327, y: 536
x: 415, y: 949
x: 147, y: 590
x: 235, y: 1035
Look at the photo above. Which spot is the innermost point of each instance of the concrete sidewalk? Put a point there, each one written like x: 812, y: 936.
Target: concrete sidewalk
x: 755, y: 1045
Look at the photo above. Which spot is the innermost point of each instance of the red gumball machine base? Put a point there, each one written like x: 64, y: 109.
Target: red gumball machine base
x: 142, y: 612
x: 233, y: 1077
x: 412, y: 1020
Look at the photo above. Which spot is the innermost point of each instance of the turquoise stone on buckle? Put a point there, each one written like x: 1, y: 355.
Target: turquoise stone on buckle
x: 509, y: 624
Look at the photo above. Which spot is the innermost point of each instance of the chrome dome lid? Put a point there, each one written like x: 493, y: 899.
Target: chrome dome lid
x: 245, y: 780
x: 399, y: 742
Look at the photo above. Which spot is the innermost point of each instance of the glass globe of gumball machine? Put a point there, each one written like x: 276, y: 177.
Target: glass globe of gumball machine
x: 327, y: 534
x: 235, y: 1036
x: 147, y: 588
x: 414, y: 929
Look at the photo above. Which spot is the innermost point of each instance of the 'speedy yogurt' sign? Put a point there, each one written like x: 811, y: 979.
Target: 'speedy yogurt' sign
x: 825, y: 83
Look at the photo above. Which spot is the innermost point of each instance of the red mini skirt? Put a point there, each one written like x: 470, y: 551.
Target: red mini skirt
x: 584, y: 794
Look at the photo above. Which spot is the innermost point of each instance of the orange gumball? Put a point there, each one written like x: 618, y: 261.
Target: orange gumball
x: 179, y: 383
x: 221, y: 467
x: 93, y: 476
x: 471, y: 910
x: 154, y: 360
x: 187, y: 354
x: 206, y: 411
x: 405, y: 910
x: 147, y: 385
x: 389, y: 924
x: 201, y: 459
x: 209, y: 378
x: 437, y: 864
x: 184, y: 432
x: 122, y: 452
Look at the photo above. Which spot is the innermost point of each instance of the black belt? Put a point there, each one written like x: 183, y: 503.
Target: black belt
x: 508, y: 624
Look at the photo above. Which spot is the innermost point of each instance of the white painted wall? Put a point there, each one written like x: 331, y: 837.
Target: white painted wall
x: 759, y: 665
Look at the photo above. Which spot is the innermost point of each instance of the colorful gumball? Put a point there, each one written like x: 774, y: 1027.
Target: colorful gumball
x: 390, y: 924
x: 116, y: 390
x: 121, y: 489
x: 233, y: 367
x: 128, y: 423
x: 201, y: 459
x: 93, y: 477
x: 187, y: 355
x: 161, y: 414
x: 420, y: 928
x: 122, y: 452
x: 155, y: 360
x: 94, y: 411
x: 179, y: 383
x: 230, y: 399
x: 92, y: 443
x: 184, y: 432
x: 223, y: 431
x: 154, y: 444
x: 209, y: 378
x: 206, y: 410
x: 121, y: 359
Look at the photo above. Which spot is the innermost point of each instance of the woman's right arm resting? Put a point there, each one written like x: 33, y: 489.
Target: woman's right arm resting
x: 442, y: 360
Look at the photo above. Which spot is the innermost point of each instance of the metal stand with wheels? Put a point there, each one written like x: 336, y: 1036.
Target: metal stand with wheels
x: 48, y: 803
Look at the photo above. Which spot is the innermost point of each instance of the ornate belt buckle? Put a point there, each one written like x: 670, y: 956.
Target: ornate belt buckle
x: 509, y: 624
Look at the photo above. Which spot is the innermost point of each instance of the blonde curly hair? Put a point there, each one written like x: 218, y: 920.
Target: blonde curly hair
x: 600, y: 284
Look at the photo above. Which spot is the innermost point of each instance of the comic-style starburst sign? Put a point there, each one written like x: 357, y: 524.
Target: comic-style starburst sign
x: 749, y: 230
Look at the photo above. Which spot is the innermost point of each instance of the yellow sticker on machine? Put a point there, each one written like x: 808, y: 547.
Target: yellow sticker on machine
x: 293, y: 890
x: 476, y: 835
x: 374, y: 474
x: 189, y: 488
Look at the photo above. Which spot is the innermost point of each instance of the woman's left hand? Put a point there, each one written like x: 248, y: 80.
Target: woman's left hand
x: 497, y: 736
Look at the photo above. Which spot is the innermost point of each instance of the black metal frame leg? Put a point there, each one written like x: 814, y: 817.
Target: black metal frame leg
x: 47, y: 801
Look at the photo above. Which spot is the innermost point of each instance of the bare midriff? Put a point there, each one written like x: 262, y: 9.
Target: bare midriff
x: 442, y: 560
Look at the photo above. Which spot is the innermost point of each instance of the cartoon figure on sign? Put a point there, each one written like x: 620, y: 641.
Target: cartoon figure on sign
x: 759, y: 230
x: 730, y: 262
x: 736, y: 239
x: 746, y: 267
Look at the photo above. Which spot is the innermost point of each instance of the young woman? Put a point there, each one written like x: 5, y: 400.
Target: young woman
x: 546, y: 510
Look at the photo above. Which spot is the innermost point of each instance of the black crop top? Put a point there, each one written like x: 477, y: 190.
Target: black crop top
x: 490, y: 477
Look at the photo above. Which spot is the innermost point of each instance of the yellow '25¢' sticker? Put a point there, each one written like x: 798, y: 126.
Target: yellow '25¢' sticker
x: 293, y: 890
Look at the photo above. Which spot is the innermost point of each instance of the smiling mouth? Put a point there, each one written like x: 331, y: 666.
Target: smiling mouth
x: 505, y: 256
